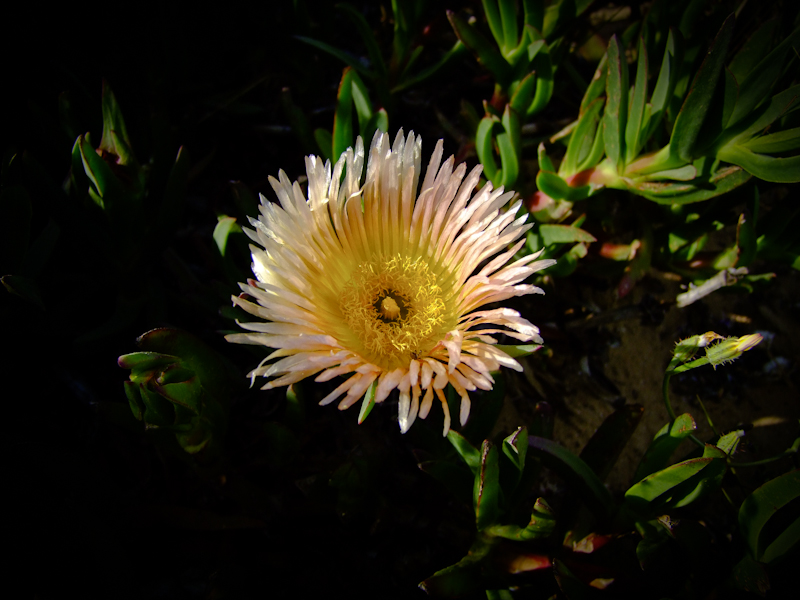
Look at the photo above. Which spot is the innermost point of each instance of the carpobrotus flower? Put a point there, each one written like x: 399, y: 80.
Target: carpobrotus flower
x: 377, y: 283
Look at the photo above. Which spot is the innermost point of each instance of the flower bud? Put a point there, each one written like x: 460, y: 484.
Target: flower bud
x: 731, y: 348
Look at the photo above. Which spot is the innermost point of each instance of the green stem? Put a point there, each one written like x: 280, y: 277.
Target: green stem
x: 665, y: 391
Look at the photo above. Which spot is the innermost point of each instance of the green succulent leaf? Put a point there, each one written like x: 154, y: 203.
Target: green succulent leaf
x: 768, y: 502
x: 225, y: 227
x: 678, y: 485
x: 115, y: 135
x: 597, y: 86
x: 762, y: 78
x: 488, y: 56
x: 343, y: 137
x: 768, y: 168
x: 564, y: 234
x: 664, y: 444
x: 754, y: 50
x: 582, y: 143
x: 518, y: 350
x: 782, y: 141
x: 698, y: 101
x: 616, y: 112
x: 486, y: 494
x: 484, y: 147
x: 667, y: 78
x: 634, y: 129
x: 723, y: 181
x: 324, y: 141
x: 555, y: 187
x: 541, y: 525
x: 469, y: 453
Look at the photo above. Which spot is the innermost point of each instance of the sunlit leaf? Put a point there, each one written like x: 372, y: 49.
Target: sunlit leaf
x: 616, y: 112
x: 634, y: 128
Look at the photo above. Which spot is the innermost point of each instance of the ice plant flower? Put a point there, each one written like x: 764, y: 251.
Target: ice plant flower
x: 375, y: 282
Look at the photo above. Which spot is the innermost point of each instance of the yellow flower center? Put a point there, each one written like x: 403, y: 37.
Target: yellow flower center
x: 395, y: 309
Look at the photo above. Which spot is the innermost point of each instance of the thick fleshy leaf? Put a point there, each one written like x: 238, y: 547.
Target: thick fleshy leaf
x: 146, y: 361
x: 209, y: 366
x: 158, y: 411
x: 484, y: 146
x: 693, y: 112
x: 367, y: 404
x: 678, y: 485
x: 134, y: 399
x: 782, y: 141
x: 110, y: 194
x: 753, y: 51
x: 597, y: 86
x: 464, y: 577
x: 115, y: 135
x: 486, y: 494
x: 542, y: 65
x: 761, y: 79
x: 616, y: 112
x: 760, y: 507
x: 564, y: 234
x: 780, y: 105
x: 515, y: 447
x: 723, y: 181
x: 469, y: 453
x: 324, y: 141
x: 509, y: 145
x: 607, y: 443
x: 343, y: 137
x: 634, y: 129
x: 487, y: 54
x: 225, y: 227
x: 541, y: 525
x: 768, y: 168
x: 582, y: 139
x: 664, y: 444
x: 667, y: 77
x: 519, y: 349
x: 555, y: 187
x: 362, y: 104
x: 576, y: 472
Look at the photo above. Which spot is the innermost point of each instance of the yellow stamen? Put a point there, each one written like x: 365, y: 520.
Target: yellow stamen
x: 395, y: 310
